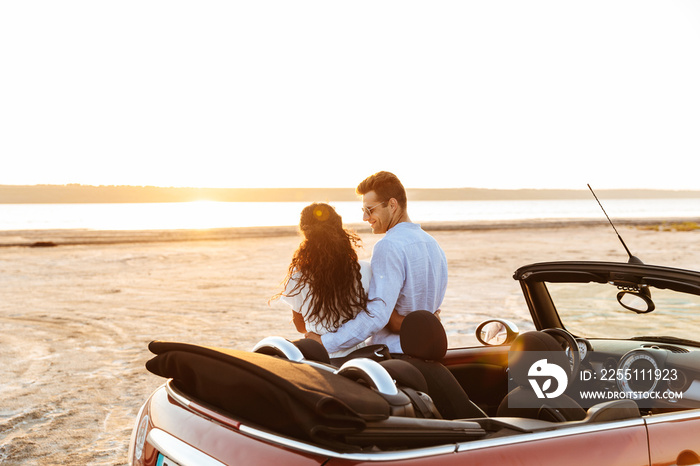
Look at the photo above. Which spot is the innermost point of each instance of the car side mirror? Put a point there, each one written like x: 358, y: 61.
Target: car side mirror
x: 496, y: 332
x: 636, y: 301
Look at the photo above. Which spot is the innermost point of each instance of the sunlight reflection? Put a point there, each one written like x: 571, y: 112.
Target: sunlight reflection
x: 204, y: 214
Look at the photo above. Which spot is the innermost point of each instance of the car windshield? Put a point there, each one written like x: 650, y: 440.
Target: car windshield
x: 591, y: 310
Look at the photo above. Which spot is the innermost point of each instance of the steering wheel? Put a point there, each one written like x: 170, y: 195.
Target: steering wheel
x: 570, y: 341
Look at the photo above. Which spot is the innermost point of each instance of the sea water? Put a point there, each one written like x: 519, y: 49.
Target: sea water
x: 206, y: 214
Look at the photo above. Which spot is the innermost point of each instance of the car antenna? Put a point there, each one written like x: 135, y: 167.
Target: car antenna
x: 632, y: 259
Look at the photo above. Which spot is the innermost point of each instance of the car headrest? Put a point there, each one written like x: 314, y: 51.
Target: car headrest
x: 423, y: 336
x: 405, y: 374
x: 312, y: 350
x: 530, y: 347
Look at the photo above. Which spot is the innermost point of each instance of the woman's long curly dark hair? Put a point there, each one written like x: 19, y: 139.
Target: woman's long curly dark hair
x: 326, y: 262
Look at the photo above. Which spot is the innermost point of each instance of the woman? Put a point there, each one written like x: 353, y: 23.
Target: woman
x: 325, y: 285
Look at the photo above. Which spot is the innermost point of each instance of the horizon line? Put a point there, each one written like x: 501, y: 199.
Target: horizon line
x: 120, y: 194
x: 136, y: 186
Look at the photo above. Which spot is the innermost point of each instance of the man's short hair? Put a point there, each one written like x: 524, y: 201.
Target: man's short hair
x: 386, y: 185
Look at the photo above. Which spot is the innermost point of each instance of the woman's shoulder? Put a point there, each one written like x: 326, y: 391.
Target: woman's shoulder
x: 365, y: 267
x: 294, y: 277
x: 366, y: 272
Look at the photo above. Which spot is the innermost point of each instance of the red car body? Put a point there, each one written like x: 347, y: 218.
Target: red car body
x: 174, y: 426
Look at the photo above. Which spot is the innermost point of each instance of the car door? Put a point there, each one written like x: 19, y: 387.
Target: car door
x: 674, y: 438
x: 621, y: 443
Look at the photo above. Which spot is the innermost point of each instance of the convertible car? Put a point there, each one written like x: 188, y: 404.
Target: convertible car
x: 610, y: 376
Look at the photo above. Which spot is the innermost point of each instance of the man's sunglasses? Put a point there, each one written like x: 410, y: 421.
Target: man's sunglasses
x: 368, y: 210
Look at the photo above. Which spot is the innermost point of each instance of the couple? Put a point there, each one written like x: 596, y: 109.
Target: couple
x: 340, y: 301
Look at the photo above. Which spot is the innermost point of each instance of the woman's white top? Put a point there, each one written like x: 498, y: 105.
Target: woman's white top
x: 312, y: 323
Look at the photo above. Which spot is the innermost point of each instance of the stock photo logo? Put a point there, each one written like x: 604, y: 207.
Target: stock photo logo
x: 537, y: 378
x: 541, y: 375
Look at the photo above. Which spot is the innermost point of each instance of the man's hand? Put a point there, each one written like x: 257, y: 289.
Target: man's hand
x: 313, y: 336
x: 396, y: 320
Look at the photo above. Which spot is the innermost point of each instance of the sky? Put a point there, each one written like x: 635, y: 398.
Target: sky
x: 493, y: 94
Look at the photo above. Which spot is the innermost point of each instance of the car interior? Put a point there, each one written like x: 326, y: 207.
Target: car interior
x: 389, y: 402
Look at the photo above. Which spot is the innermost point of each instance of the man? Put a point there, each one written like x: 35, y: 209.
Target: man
x: 409, y: 269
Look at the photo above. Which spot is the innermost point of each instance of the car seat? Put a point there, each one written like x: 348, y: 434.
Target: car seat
x: 522, y: 401
x: 424, y: 344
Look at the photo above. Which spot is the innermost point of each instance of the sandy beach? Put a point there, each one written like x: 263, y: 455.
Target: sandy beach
x: 79, y: 309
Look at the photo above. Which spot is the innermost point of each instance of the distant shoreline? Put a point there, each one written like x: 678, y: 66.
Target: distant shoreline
x: 83, y: 194
x: 75, y: 237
